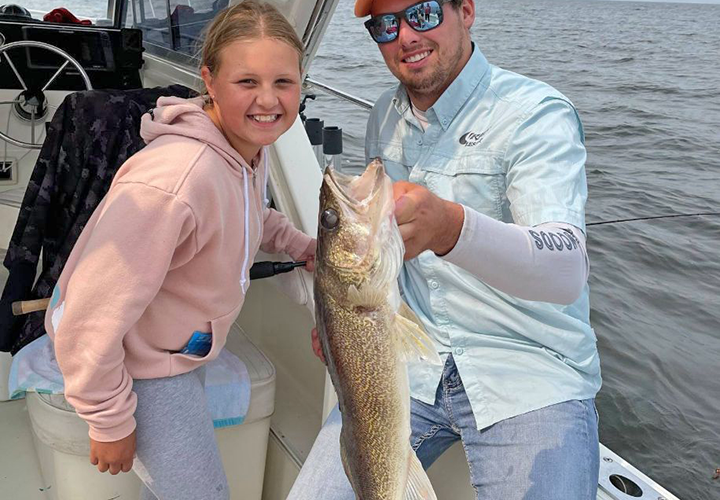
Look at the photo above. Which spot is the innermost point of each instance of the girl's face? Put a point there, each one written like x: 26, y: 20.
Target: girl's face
x: 256, y: 93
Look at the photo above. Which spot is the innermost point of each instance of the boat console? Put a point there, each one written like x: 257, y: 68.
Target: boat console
x: 112, y: 57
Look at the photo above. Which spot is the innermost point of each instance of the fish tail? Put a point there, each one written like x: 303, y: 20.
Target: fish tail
x: 418, y: 485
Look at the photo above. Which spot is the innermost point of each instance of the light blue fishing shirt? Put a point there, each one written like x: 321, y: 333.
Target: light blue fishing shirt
x: 513, y: 149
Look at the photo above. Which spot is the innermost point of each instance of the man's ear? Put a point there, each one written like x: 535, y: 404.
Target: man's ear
x: 468, y: 13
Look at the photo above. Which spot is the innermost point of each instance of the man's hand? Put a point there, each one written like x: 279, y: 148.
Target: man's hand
x: 426, y: 221
x: 114, y: 456
x: 317, y: 348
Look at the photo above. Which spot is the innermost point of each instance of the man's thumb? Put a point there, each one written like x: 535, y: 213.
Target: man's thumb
x: 403, y: 209
x: 401, y: 187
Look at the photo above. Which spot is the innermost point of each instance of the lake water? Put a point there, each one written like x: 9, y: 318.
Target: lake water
x: 645, y: 78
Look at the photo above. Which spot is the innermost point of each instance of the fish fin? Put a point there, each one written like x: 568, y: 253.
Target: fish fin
x: 343, y: 458
x: 405, y: 311
x: 345, y: 463
x: 413, y: 341
x: 418, y: 485
x: 366, y: 296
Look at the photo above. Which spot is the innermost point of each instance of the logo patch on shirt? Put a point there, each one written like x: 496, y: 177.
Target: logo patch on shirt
x: 471, y: 139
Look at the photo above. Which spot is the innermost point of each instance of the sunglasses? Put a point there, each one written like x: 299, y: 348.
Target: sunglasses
x: 422, y: 16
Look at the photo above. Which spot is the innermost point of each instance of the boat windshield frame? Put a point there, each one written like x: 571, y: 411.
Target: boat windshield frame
x: 170, y: 32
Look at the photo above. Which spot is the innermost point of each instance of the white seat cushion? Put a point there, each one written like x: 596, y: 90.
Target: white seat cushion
x: 262, y: 374
x: 56, y: 424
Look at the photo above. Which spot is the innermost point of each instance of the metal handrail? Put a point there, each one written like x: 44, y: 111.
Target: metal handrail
x: 358, y: 101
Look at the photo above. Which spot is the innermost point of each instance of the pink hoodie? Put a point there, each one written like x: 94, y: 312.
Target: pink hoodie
x: 166, y: 253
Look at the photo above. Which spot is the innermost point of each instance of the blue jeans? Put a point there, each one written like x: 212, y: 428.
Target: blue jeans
x: 547, y: 454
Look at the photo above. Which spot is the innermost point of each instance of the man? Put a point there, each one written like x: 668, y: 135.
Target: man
x: 490, y: 193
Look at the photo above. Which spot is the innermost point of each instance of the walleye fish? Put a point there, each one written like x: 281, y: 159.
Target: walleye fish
x: 367, y: 334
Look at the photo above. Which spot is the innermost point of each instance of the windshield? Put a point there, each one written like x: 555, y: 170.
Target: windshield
x: 172, y: 28
x: 97, y: 11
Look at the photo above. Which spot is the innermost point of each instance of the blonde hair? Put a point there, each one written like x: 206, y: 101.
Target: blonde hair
x: 246, y: 21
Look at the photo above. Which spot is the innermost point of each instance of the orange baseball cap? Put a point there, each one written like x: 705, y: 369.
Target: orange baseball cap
x: 362, y: 7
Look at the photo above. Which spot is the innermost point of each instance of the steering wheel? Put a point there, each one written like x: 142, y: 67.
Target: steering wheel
x: 31, y: 103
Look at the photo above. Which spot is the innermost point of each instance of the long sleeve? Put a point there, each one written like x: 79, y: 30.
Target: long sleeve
x: 547, y: 262
x: 280, y: 235
x: 545, y: 163
x: 140, y: 233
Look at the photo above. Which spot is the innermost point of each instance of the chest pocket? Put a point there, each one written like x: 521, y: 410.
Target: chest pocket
x: 476, y: 181
x: 397, y: 164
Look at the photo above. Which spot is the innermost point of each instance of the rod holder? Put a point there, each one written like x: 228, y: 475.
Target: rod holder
x: 333, y: 147
x: 314, y: 130
x: 332, y: 140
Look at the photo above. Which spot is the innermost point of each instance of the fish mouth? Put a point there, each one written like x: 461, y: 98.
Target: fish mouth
x: 357, y: 192
x: 363, y: 204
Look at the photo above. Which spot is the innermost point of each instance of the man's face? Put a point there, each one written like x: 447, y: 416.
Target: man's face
x: 427, y: 62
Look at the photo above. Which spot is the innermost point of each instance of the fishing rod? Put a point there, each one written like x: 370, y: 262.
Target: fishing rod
x: 267, y: 269
x: 617, y: 221
x: 259, y: 270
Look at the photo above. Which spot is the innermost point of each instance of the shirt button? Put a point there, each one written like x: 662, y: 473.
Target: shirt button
x: 434, y: 285
x: 459, y: 351
x: 419, y: 142
x: 444, y: 121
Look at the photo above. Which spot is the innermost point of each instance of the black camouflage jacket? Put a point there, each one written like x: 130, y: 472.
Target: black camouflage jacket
x: 90, y: 136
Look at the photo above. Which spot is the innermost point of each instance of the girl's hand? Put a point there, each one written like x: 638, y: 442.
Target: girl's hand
x: 309, y: 256
x: 317, y: 348
x: 114, y: 456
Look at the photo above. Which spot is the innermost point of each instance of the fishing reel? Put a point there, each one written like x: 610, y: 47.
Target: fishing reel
x: 312, y: 97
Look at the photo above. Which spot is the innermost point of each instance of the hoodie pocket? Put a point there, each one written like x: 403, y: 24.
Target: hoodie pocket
x: 219, y: 328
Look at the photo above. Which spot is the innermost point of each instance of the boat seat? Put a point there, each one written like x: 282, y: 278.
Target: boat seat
x: 53, y: 417
x: 62, y: 444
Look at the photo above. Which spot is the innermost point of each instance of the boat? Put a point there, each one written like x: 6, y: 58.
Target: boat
x: 149, y: 43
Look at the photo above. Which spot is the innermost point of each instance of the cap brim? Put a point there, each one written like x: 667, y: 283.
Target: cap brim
x: 362, y: 7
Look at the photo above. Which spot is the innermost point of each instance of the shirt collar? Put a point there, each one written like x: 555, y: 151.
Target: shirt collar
x: 455, y: 96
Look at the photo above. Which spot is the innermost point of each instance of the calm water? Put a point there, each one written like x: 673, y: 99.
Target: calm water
x: 646, y: 80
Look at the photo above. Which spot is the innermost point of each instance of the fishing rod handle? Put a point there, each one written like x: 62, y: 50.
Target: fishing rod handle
x: 27, y: 306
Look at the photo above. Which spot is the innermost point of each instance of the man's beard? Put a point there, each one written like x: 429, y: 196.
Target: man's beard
x: 427, y: 84
x: 435, y: 82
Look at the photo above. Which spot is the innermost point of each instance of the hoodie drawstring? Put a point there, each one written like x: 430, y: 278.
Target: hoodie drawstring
x: 243, y: 280
x: 266, y: 202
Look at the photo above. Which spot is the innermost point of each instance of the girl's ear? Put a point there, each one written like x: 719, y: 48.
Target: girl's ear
x: 208, y: 79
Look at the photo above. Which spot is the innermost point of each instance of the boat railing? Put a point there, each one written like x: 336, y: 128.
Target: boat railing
x: 358, y: 101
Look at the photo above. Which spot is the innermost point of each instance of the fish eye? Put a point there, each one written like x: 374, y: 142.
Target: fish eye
x: 329, y: 219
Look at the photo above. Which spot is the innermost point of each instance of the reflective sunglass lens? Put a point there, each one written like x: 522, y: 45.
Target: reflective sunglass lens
x: 414, y: 16
x: 385, y: 29
x: 424, y: 16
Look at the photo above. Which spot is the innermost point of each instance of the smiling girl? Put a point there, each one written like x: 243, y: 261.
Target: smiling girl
x: 160, y: 272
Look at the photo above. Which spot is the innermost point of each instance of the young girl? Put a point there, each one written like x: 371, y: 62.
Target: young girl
x: 160, y: 271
